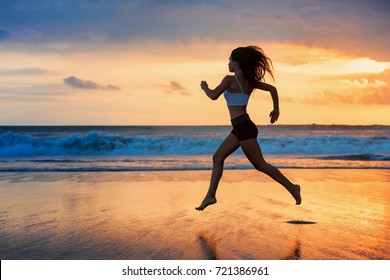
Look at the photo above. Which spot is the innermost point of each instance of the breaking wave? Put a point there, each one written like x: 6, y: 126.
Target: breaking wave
x: 98, y: 143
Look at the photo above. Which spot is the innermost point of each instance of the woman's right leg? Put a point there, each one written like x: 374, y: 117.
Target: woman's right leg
x: 253, y: 152
x: 228, y: 146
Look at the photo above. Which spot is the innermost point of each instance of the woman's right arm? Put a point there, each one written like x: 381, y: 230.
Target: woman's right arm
x: 215, y: 93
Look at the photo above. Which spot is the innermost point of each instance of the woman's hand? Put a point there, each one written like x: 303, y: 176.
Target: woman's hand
x: 204, y: 85
x: 274, y: 115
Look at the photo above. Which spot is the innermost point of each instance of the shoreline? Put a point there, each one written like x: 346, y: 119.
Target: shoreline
x: 150, y: 215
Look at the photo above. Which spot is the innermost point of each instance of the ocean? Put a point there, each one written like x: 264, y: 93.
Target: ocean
x: 130, y: 192
x: 174, y: 148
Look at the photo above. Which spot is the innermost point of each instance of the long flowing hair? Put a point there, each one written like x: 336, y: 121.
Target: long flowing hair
x: 253, y: 63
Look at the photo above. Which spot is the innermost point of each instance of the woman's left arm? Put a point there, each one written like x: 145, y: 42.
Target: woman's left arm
x: 275, y: 99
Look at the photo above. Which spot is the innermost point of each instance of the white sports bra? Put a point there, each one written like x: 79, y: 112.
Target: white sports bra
x: 236, y: 99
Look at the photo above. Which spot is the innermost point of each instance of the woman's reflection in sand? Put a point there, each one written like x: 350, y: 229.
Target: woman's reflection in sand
x: 296, y: 252
x: 208, y: 246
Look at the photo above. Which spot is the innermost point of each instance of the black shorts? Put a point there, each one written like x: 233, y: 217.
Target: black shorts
x: 244, y: 128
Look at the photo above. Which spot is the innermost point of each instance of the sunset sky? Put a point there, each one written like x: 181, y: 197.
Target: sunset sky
x: 96, y: 62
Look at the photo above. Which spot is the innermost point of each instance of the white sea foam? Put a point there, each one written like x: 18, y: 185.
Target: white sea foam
x: 82, y: 149
x: 97, y: 143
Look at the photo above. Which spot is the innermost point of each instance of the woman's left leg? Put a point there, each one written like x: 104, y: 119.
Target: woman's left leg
x: 228, y: 146
x: 253, y: 152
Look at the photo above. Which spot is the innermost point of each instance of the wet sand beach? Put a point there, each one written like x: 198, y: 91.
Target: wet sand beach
x: 150, y: 215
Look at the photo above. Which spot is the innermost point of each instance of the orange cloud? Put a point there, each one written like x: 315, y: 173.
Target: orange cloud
x: 376, y: 97
x: 364, y: 83
x: 366, y: 96
x: 379, y: 97
x: 353, y: 89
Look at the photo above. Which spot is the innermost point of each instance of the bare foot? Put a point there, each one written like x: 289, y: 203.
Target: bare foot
x: 206, y: 202
x: 296, y: 193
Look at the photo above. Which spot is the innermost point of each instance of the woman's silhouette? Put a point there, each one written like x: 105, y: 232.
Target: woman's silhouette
x: 249, y: 65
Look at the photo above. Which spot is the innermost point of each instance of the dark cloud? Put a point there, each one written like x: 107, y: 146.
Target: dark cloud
x: 358, y: 26
x: 81, y: 84
x: 4, y: 33
x: 175, y: 87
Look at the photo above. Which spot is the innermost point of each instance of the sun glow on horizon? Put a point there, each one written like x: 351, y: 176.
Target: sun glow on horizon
x: 163, y: 87
x: 336, y: 66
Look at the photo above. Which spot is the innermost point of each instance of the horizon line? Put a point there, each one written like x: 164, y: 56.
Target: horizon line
x: 123, y: 125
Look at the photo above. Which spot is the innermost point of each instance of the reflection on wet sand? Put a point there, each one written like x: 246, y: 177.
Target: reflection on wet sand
x: 208, y: 246
x: 150, y: 215
x: 296, y: 252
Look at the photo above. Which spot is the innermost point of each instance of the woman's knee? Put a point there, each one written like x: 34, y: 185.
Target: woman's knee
x: 261, y: 166
x: 218, y: 159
